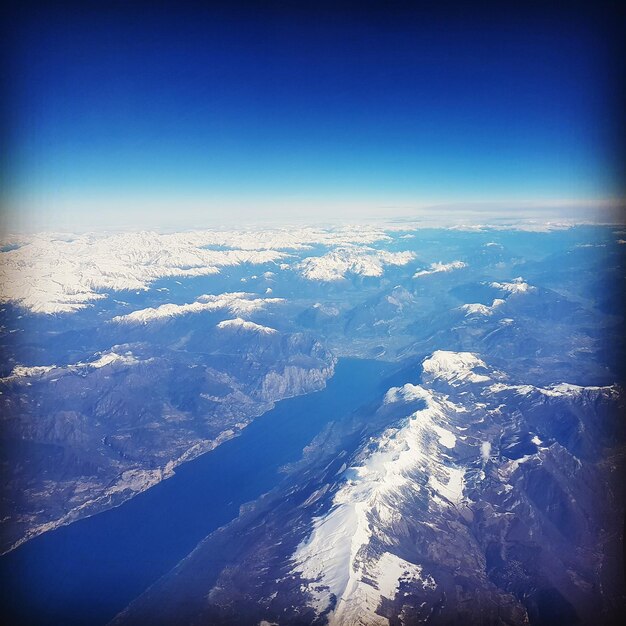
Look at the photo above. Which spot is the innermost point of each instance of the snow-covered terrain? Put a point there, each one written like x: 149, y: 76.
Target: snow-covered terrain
x: 53, y: 273
x: 47, y: 274
x: 237, y: 303
x: 482, y: 309
x: 455, y: 367
x: 436, y: 268
x: 352, y: 561
x: 240, y: 324
x: 359, y: 261
x: 102, y: 360
x: 517, y: 285
x: 337, y: 555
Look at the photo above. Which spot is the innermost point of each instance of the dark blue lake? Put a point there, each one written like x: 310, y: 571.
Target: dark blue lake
x: 87, y: 572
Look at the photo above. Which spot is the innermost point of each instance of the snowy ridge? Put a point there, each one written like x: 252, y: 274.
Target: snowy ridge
x: 110, y: 357
x: 517, y: 285
x: 560, y: 390
x: 436, y: 268
x: 104, y: 359
x: 338, y: 557
x: 241, y: 324
x: 351, y: 560
x: 238, y: 303
x: 24, y: 371
x: 455, y: 368
x: 482, y: 309
x: 351, y: 260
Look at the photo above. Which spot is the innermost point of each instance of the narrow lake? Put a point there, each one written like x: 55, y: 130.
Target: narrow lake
x: 87, y: 572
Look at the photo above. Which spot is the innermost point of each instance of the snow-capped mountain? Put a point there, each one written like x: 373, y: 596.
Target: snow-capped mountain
x: 476, y: 505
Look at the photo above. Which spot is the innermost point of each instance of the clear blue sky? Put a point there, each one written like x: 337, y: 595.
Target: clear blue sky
x: 141, y: 109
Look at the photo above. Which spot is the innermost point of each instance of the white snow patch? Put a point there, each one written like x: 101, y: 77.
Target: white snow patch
x: 406, y: 393
x: 454, y: 367
x: 241, y: 324
x: 517, y: 285
x: 392, y: 571
x: 452, y: 489
x: 102, y: 360
x: 482, y: 309
x: 238, y: 303
x: 20, y: 371
x: 508, y: 468
x: 111, y: 357
x: 436, y: 268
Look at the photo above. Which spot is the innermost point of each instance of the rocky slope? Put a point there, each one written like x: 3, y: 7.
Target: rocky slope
x: 83, y: 437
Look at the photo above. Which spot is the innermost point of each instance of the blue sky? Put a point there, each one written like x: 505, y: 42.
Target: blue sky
x: 244, y: 109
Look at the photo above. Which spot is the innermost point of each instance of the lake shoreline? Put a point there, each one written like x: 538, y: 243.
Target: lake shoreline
x: 91, y: 556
